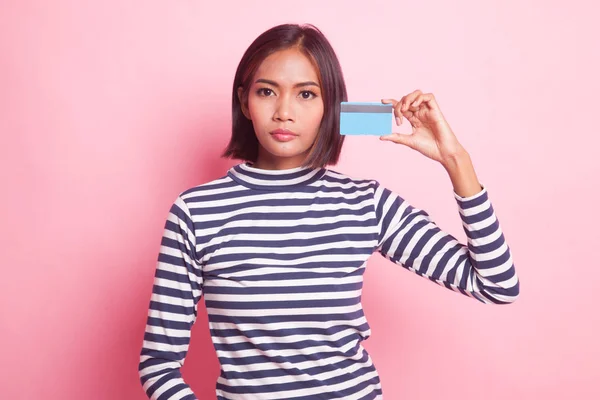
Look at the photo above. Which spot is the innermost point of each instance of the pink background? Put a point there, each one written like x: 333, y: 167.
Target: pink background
x: 109, y: 109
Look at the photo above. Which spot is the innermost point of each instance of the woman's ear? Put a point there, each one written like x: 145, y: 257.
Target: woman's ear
x: 243, y: 104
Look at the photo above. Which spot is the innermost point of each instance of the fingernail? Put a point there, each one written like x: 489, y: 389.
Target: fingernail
x: 398, y: 121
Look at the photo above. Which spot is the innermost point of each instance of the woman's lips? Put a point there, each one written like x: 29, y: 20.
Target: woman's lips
x: 283, y: 135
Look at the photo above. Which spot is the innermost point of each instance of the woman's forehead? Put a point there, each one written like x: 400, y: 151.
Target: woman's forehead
x: 287, y: 67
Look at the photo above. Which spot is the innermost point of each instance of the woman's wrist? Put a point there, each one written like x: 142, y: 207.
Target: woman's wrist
x: 462, y: 174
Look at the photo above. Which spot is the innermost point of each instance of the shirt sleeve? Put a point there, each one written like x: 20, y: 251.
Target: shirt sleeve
x: 482, y: 268
x: 176, y: 291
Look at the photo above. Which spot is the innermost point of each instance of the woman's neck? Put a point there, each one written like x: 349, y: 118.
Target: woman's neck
x: 277, y: 163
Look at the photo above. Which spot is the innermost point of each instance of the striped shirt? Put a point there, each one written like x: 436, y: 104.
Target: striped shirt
x: 279, y: 257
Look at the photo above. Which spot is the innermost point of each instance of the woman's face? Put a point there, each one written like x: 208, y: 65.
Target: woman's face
x: 285, y: 95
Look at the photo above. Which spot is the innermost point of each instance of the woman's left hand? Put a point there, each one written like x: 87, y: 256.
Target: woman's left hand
x: 432, y: 136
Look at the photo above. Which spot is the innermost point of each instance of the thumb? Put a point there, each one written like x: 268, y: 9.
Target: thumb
x: 399, y: 138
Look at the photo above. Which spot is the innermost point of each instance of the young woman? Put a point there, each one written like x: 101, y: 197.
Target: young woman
x: 278, y: 246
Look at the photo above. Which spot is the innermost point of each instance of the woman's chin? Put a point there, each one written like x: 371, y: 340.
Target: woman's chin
x: 285, y: 150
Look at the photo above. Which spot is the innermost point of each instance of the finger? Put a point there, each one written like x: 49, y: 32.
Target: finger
x: 424, y: 98
x: 414, y: 121
x: 432, y: 102
x: 408, y: 99
x: 414, y: 106
x: 394, y: 104
x: 398, y: 107
x: 393, y: 137
x: 398, y: 138
x: 409, y: 114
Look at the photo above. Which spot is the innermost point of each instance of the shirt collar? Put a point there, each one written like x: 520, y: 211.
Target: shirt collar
x: 271, y: 179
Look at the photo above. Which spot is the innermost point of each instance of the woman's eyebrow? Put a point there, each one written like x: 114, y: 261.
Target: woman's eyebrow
x: 270, y: 82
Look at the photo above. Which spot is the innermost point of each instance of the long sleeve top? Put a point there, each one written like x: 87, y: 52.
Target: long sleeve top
x: 279, y: 257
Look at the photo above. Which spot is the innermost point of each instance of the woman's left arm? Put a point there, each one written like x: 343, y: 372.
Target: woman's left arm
x: 483, y: 268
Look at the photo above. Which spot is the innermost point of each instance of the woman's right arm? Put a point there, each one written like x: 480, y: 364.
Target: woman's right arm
x: 172, y: 312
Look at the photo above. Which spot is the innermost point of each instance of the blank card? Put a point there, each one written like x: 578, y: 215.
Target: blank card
x: 358, y: 118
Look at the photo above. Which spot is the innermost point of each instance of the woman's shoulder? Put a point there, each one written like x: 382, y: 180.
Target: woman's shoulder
x: 209, y: 188
x: 334, y: 175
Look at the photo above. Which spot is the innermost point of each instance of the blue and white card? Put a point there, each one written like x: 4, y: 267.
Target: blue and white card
x: 361, y: 118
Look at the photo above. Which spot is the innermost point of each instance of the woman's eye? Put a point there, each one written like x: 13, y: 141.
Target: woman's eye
x: 264, y: 92
x: 307, y: 94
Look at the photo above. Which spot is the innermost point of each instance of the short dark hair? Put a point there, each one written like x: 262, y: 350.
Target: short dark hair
x: 312, y: 43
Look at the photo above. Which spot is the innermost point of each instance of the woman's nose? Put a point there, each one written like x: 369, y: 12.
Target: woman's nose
x: 284, y: 111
